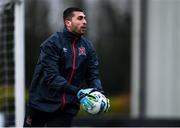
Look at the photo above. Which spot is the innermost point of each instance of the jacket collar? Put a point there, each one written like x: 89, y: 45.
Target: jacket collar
x: 69, y: 35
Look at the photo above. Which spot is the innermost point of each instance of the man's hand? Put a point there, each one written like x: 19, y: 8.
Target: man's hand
x: 82, y: 95
x: 86, y: 103
x: 86, y: 100
x: 84, y: 92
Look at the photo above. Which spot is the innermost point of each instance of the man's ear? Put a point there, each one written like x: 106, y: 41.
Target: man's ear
x: 67, y: 23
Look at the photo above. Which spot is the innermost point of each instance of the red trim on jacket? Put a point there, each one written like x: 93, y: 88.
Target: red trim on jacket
x: 72, y: 73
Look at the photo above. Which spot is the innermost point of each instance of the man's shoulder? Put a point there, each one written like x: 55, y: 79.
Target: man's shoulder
x: 87, y: 41
x: 53, y: 39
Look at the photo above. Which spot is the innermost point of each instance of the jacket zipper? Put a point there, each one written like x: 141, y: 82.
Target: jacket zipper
x: 71, y: 75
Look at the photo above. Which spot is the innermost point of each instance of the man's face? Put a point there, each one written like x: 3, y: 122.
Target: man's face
x: 77, y: 24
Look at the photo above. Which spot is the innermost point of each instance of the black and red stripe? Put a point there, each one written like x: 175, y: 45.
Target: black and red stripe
x: 71, y: 74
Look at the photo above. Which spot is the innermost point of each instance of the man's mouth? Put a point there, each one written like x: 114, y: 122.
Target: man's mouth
x: 83, y: 27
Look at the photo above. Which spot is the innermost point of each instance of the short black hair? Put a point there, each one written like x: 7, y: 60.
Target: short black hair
x: 68, y: 13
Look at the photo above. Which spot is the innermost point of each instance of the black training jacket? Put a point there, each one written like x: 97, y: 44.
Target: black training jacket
x: 65, y: 64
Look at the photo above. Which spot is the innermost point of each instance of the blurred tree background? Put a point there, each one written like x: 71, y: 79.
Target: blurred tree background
x: 109, y: 28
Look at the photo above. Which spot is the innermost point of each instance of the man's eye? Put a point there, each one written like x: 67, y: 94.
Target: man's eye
x: 80, y: 18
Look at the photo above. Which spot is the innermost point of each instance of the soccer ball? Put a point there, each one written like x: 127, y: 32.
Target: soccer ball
x: 99, y: 101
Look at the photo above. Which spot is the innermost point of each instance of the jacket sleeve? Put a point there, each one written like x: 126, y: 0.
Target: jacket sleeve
x: 92, y: 76
x: 49, y: 58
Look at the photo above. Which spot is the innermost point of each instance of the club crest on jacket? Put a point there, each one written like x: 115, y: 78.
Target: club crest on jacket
x: 82, y: 51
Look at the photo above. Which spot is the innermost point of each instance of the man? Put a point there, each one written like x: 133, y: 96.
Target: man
x: 67, y: 61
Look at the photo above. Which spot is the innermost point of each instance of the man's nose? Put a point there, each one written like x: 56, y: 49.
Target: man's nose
x: 84, y: 21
